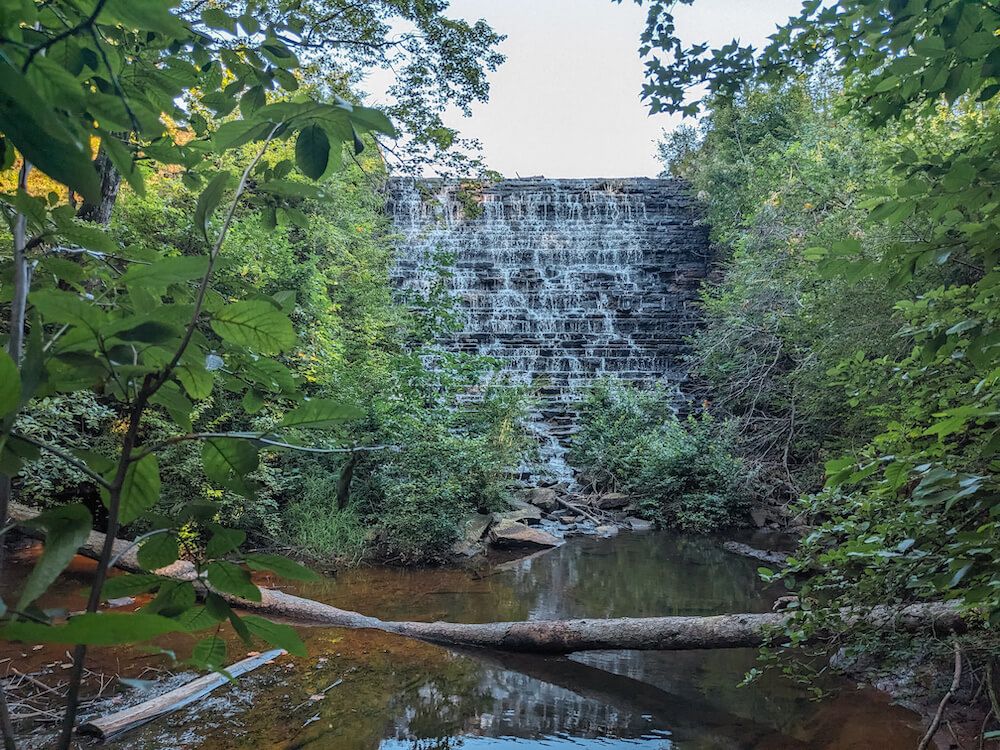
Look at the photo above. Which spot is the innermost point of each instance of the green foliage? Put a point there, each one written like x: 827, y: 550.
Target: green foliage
x: 407, y: 503
x: 147, y: 325
x: 75, y: 421
x: 66, y: 529
x: 894, y: 299
x: 782, y: 173
x: 684, y: 474
x: 901, y: 57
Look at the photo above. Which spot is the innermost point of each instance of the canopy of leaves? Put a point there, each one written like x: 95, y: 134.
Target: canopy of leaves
x: 863, y: 221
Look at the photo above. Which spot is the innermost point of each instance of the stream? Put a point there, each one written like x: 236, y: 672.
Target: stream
x: 365, y: 690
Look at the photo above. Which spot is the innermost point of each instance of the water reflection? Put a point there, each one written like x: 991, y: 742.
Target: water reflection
x: 397, y: 694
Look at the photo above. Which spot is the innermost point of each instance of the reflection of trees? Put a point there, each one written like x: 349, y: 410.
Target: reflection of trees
x: 638, y: 575
x: 426, y: 698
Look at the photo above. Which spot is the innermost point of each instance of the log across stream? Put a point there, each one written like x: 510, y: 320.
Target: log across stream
x: 397, y: 689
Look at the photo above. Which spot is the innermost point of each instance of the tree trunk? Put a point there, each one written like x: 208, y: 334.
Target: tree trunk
x: 111, y: 179
x: 553, y: 636
x: 344, y: 481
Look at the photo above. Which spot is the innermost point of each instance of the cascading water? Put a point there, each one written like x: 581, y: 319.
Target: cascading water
x: 563, y: 281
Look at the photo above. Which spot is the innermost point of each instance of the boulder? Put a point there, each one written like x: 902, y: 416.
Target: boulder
x: 612, y: 501
x: 521, y: 511
x: 638, y: 524
x: 473, y: 526
x: 759, y: 516
x: 606, y: 530
x: 541, y: 497
x: 514, y: 535
x: 463, y: 548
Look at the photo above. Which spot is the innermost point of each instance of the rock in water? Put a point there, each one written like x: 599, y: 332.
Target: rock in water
x: 512, y: 535
x: 522, y: 512
x: 639, y: 524
x: 474, y: 526
x: 612, y: 501
x: 542, y: 497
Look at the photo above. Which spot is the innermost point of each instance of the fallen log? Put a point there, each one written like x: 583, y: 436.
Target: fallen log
x: 556, y: 636
x: 130, y: 718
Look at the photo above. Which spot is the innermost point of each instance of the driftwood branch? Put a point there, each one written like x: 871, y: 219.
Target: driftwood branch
x: 130, y: 718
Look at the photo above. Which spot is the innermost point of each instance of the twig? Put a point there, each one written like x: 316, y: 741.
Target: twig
x: 36, y: 682
x: 936, y: 721
x: 576, y: 509
x: 60, y: 453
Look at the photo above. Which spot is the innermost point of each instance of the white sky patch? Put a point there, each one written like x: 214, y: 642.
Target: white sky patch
x: 566, y: 103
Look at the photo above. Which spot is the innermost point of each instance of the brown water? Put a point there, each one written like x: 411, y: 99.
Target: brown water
x: 397, y: 694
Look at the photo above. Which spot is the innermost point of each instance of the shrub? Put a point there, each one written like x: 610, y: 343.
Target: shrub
x: 71, y: 421
x: 684, y: 474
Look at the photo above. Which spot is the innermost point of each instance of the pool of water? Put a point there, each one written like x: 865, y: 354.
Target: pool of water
x: 372, y: 691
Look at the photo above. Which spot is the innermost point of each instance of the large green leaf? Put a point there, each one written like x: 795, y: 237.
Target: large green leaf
x: 312, y: 151
x: 252, y: 100
x: 130, y: 585
x: 88, y: 236
x: 255, y: 324
x: 197, y: 618
x: 158, y: 551
x: 239, y: 132
x: 224, y: 457
x: 66, y: 530
x: 209, y: 652
x: 269, y: 374
x: 320, y: 413
x: 145, y: 15
x: 41, y: 135
x: 224, y: 541
x: 281, y: 566
x: 140, y: 490
x: 124, y: 162
x: 230, y: 578
x: 372, y: 119
x: 174, y: 598
x: 278, y: 635
x: 166, y: 271
x: 208, y: 201
x: 57, y: 306
x: 197, y: 381
x: 178, y: 406
x: 94, y: 629
x: 10, y: 384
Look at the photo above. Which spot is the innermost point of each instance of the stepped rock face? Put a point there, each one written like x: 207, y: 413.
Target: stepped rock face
x: 564, y: 281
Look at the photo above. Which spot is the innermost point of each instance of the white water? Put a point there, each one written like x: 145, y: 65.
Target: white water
x: 563, y: 281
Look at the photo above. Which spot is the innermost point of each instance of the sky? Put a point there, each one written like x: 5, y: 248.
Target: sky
x: 566, y: 102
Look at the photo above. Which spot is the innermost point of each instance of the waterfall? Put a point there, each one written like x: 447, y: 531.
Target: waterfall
x: 563, y: 281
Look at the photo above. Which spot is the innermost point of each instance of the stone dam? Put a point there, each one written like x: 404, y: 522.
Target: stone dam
x: 562, y: 280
